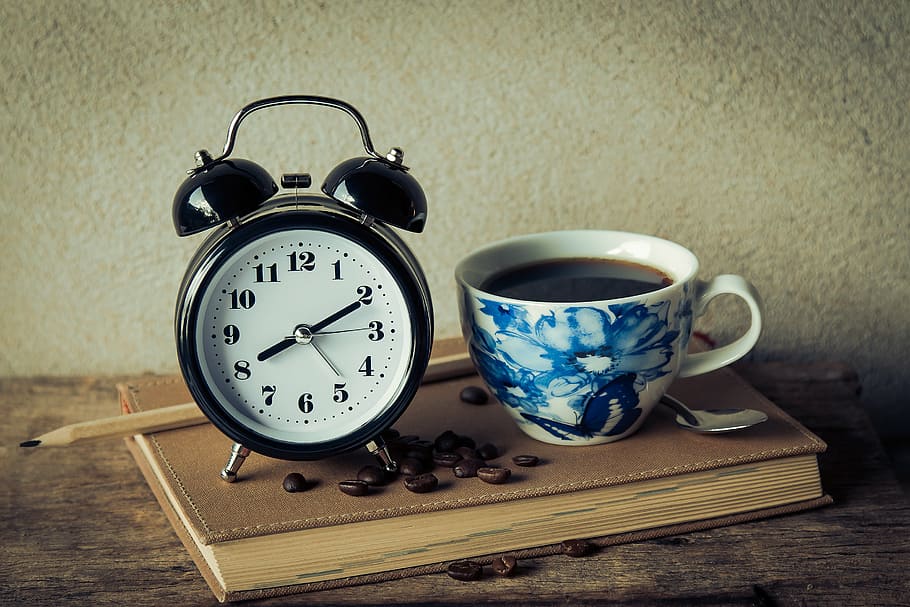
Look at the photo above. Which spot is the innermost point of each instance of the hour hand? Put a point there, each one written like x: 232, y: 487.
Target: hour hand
x: 272, y: 350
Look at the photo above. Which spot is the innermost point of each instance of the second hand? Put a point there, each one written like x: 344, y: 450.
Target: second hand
x: 325, y: 358
x: 342, y: 331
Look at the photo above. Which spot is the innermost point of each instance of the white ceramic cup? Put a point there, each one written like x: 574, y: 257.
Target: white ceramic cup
x: 589, y: 372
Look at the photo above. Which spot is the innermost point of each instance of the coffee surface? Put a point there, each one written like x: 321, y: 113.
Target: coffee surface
x: 575, y: 280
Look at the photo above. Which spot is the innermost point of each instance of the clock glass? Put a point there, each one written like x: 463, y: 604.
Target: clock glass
x: 303, y: 335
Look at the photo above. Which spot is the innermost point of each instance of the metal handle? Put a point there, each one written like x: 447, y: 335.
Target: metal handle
x: 297, y: 100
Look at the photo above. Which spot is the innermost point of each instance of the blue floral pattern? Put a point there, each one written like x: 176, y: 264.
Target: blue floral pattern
x: 594, y: 360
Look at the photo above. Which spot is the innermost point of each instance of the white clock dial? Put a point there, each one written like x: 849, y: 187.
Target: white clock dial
x: 303, y: 336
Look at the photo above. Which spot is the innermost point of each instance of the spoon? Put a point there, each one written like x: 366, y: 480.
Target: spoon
x: 713, y: 420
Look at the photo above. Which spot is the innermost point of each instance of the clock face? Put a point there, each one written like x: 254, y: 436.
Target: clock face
x: 302, y: 335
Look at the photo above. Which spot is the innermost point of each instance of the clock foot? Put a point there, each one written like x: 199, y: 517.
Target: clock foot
x: 239, y: 454
x: 381, y: 451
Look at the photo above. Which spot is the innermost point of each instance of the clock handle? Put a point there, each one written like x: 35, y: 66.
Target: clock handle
x: 304, y: 100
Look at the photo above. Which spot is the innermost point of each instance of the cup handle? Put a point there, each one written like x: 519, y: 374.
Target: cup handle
x: 703, y: 362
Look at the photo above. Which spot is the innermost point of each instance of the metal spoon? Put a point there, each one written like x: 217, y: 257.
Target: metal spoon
x: 713, y: 420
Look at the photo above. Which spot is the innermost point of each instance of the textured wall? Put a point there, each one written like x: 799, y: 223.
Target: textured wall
x: 771, y: 139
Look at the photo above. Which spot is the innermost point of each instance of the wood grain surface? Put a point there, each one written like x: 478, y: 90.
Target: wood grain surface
x: 80, y: 526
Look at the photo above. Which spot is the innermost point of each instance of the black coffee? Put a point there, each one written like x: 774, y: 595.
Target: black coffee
x: 571, y: 280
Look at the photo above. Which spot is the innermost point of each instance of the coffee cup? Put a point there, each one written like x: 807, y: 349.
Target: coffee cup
x: 580, y: 333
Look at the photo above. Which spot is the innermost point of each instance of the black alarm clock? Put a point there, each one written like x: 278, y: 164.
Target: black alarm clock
x: 304, y: 323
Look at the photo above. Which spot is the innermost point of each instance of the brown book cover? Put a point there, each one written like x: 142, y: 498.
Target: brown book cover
x: 252, y: 539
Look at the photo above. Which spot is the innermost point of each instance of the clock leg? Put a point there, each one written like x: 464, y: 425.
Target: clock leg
x: 378, y: 448
x: 238, y: 455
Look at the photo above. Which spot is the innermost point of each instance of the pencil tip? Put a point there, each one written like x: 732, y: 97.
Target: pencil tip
x: 30, y: 443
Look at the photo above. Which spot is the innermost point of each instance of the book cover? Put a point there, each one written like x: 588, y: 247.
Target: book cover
x: 253, y: 539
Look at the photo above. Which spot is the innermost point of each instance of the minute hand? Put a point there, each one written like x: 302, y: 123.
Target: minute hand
x: 322, y: 324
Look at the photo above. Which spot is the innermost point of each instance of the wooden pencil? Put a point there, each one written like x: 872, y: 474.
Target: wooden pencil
x: 189, y: 414
x: 167, y: 418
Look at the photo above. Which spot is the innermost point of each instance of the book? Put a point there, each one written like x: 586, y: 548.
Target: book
x: 251, y: 539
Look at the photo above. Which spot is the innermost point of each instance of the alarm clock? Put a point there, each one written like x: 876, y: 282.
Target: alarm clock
x: 304, y: 322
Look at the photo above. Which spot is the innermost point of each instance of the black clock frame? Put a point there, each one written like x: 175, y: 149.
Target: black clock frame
x: 314, y: 213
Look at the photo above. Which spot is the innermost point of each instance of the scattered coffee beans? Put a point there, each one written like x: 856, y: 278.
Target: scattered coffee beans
x: 576, y: 548
x: 526, y: 460
x: 467, y: 468
x: 467, y: 452
x: 373, y: 475
x: 449, y: 450
x: 494, y: 475
x: 466, y: 441
x: 410, y: 466
x: 504, y: 565
x: 446, y: 459
x: 447, y: 441
x: 465, y: 571
x: 474, y: 395
x: 354, y: 487
x: 421, y: 483
x: 294, y: 482
x: 420, y: 453
x: 487, y: 451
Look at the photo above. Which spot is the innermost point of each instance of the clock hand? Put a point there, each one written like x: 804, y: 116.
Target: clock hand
x: 325, y: 358
x: 322, y: 324
x: 272, y: 350
x: 344, y: 331
x: 305, y: 333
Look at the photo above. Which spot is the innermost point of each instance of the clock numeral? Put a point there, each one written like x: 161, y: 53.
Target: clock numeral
x: 305, y: 403
x: 341, y: 395
x: 366, y: 295
x: 242, y: 370
x: 242, y: 299
x: 231, y: 334
x: 337, y: 266
x: 377, y: 333
x: 266, y: 273
x: 367, y: 367
x: 269, y: 393
x: 302, y: 261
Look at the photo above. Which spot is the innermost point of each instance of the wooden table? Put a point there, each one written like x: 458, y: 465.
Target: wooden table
x: 80, y: 526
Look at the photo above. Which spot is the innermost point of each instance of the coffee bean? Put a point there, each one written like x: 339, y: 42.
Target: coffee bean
x: 465, y: 571
x: 494, y: 475
x: 474, y: 395
x: 410, y: 466
x: 468, y: 467
x: 373, y: 475
x: 467, y: 452
x: 504, y: 565
x: 390, y: 434
x: 294, y: 482
x: 526, y: 460
x: 421, y: 483
x: 447, y: 441
x: 487, y: 451
x: 446, y: 459
x: 575, y: 548
x: 419, y: 452
x: 466, y: 441
x: 354, y: 487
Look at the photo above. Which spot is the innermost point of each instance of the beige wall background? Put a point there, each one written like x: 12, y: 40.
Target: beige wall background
x: 772, y: 138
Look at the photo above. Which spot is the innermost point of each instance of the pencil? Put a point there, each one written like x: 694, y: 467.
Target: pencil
x: 167, y: 418
x: 189, y: 414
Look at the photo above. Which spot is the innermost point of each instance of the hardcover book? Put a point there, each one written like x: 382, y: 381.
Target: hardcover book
x: 252, y: 539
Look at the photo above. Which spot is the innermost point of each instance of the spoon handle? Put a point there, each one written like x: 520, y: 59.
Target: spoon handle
x: 680, y: 408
